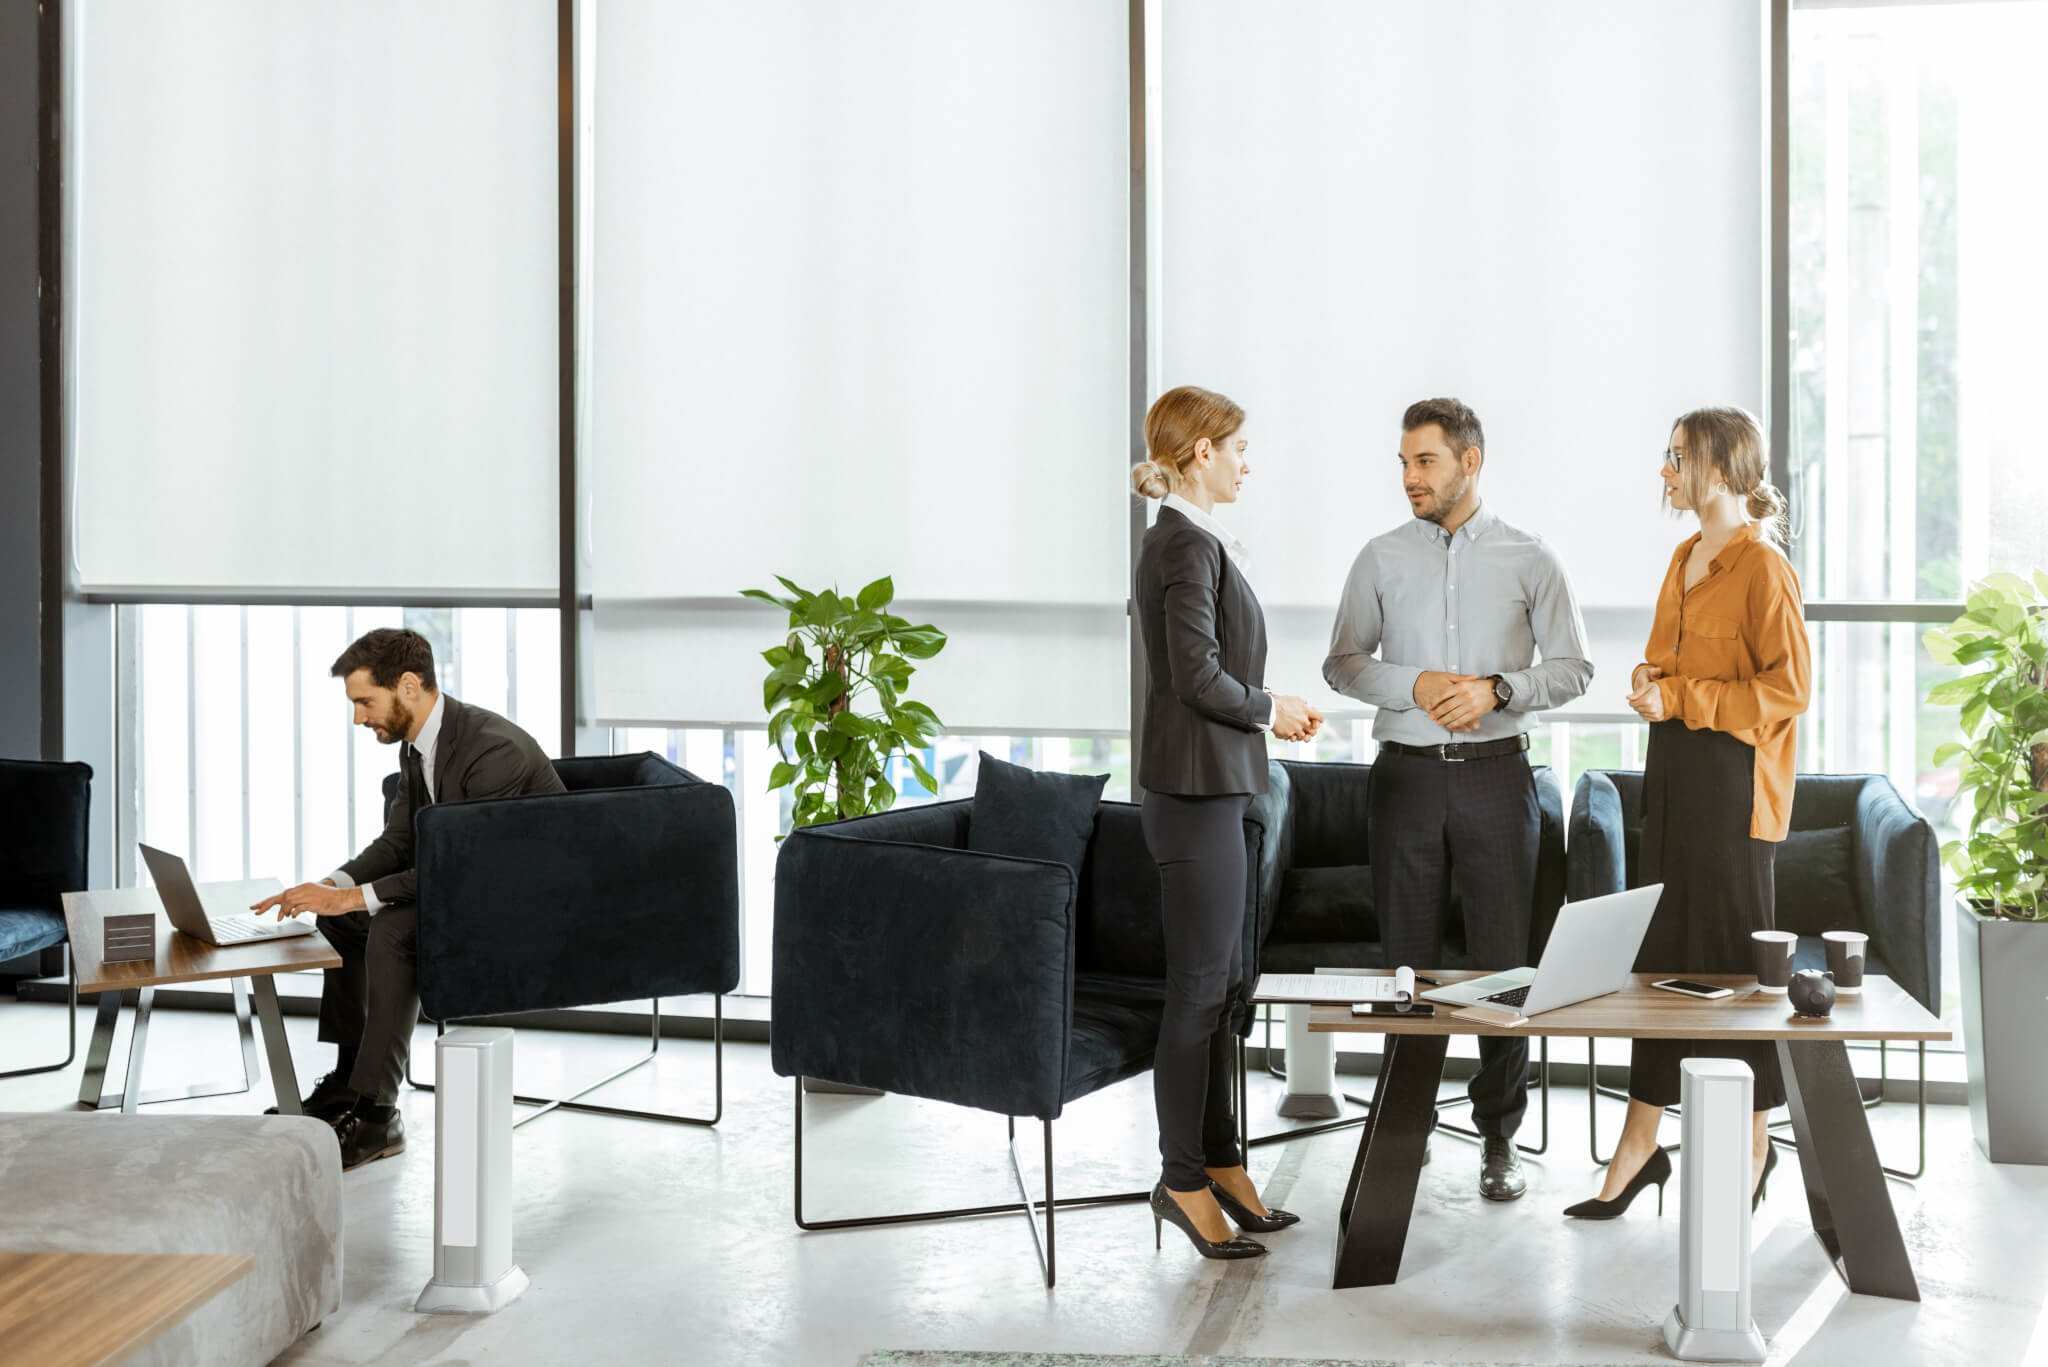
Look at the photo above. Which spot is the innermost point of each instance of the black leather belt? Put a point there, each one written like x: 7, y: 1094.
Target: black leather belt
x: 1458, y: 751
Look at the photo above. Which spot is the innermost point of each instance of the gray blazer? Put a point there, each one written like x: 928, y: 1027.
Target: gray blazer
x: 479, y: 754
x: 1205, y: 656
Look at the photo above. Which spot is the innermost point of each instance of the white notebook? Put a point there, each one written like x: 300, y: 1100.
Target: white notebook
x: 1335, y: 989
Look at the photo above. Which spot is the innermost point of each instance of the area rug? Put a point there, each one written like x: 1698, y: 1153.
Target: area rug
x: 904, y: 1358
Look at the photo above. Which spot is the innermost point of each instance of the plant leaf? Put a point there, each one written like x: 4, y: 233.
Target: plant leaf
x: 781, y: 774
x: 877, y: 595
x: 1947, y: 751
x: 1950, y: 692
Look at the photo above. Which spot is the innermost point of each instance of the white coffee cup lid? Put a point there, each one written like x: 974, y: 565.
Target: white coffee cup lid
x: 1844, y: 936
x: 1772, y: 935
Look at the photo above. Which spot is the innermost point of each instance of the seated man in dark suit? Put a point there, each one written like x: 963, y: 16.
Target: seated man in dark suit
x: 449, y: 752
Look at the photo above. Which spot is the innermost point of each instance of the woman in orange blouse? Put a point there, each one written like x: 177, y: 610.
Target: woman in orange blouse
x: 1726, y: 675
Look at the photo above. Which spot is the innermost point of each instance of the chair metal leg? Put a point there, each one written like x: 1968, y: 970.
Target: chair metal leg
x: 1022, y: 1206
x: 71, y: 1021
x: 574, y: 1101
x: 1251, y: 1141
x: 1871, y: 1103
x: 1542, y: 1084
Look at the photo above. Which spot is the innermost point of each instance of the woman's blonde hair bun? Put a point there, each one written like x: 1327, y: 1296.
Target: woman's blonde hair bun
x: 1149, y: 479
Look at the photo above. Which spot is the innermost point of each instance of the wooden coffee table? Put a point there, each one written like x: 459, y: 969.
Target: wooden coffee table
x: 1845, y: 1184
x: 86, y: 1309
x: 182, y: 959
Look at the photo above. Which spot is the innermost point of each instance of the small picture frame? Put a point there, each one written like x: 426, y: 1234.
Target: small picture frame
x: 129, y: 938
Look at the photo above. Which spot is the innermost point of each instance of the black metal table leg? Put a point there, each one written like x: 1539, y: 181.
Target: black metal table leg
x: 1372, y: 1223
x: 1845, y: 1184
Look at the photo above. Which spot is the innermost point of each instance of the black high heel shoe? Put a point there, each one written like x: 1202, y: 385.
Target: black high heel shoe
x: 1656, y: 1170
x: 1165, y: 1208
x: 1246, y: 1218
x: 1770, y: 1161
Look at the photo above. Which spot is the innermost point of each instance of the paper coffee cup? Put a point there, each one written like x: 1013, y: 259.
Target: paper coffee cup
x: 1773, y: 959
x: 1846, y: 951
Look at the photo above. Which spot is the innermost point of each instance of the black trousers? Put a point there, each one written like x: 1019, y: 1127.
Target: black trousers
x: 1198, y: 843
x: 1699, y: 788
x: 1434, y: 823
x: 372, y: 1001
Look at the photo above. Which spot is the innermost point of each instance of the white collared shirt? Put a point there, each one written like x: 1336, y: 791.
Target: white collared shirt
x: 430, y: 736
x: 1232, y: 547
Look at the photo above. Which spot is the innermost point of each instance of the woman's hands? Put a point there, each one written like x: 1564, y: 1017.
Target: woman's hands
x: 1293, y: 718
x: 1644, y: 696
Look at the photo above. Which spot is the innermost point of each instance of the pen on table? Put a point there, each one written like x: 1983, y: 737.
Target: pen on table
x: 1431, y: 981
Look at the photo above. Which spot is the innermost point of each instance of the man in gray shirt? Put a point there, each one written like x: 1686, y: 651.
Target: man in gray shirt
x: 1440, y: 629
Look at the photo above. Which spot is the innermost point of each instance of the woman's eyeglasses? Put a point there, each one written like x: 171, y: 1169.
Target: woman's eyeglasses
x: 1672, y: 459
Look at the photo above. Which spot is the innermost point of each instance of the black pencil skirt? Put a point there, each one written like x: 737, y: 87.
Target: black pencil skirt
x: 1699, y: 789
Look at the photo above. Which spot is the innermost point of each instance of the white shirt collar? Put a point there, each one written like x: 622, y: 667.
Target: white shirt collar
x: 430, y: 735
x: 1232, y: 547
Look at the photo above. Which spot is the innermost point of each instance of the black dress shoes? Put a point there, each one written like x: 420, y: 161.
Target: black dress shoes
x: 369, y: 1132
x: 1166, y: 1210
x: 1500, y: 1171
x: 1246, y: 1219
x: 330, y: 1100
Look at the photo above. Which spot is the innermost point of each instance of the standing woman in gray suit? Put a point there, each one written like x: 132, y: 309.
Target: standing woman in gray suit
x: 1202, y: 755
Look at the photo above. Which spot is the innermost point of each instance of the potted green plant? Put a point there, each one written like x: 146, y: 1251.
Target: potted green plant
x: 2001, y: 863
x: 835, y: 699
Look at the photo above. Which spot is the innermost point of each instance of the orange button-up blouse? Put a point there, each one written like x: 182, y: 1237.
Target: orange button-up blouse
x: 1735, y: 659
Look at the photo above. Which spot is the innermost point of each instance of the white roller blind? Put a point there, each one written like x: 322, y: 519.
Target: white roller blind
x: 312, y: 287
x: 859, y: 306
x: 1554, y: 212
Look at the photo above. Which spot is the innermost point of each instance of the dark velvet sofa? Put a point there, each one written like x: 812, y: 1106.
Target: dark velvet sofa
x: 46, y: 808
x: 906, y: 962
x: 1858, y: 857
x: 625, y: 887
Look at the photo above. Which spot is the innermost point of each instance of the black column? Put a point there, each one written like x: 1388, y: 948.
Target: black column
x: 21, y: 430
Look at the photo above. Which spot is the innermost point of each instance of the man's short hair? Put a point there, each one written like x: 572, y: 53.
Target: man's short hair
x: 1460, y: 424
x: 387, y: 653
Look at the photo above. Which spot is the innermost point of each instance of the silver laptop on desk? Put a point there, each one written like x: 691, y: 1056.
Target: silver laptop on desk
x: 188, y: 913
x: 1592, y: 951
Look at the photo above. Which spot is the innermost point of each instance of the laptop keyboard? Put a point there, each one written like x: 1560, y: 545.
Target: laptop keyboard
x: 228, y: 929
x: 1514, y: 996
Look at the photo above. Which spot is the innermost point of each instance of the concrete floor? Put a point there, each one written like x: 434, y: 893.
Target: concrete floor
x: 651, y: 1243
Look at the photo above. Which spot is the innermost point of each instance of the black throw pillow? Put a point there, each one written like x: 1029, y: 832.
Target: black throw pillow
x: 1816, y: 879
x: 1031, y: 815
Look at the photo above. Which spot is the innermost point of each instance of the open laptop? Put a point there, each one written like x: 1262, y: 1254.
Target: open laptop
x: 1592, y: 951
x: 188, y: 913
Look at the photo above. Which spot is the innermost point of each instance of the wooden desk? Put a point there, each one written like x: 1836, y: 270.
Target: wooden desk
x: 1845, y: 1183
x: 182, y: 959
x: 86, y: 1309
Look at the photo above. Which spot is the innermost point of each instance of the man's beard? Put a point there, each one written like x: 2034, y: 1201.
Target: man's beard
x: 396, y: 724
x: 1445, y: 502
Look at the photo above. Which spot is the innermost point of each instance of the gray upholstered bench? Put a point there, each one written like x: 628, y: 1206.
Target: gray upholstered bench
x: 269, y: 1186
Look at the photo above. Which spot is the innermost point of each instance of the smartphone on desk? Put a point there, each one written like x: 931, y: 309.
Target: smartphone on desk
x: 1408, y: 1009
x: 1687, y: 988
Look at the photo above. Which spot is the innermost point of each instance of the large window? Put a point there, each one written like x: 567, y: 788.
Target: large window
x: 240, y: 752
x: 1918, y: 286
x: 858, y: 299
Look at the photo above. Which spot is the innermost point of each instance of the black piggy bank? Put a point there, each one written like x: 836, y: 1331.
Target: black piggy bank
x: 1812, y: 992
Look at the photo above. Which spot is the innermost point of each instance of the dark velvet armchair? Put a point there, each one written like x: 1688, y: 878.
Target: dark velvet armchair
x: 905, y: 961
x: 46, y: 810
x: 1857, y: 858
x: 1316, y: 896
x: 624, y: 887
